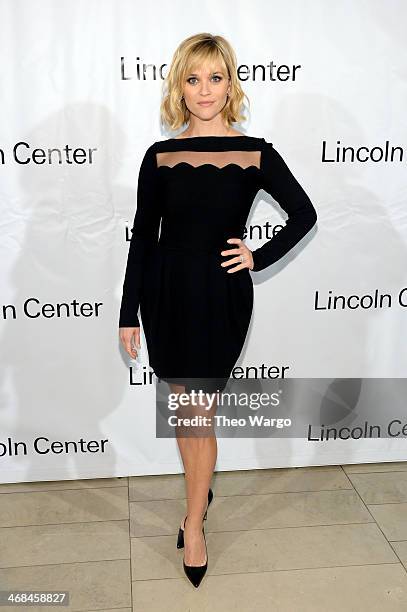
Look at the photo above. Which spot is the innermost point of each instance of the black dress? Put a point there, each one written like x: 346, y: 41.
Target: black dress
x: 195, y: 314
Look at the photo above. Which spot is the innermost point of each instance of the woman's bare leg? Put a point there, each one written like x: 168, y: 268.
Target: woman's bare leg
x: 199, y: 456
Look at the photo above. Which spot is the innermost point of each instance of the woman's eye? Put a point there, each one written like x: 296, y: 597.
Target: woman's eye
x: 194, y: 79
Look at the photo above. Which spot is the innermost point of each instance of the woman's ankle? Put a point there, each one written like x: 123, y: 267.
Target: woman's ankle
x: 194, y: 524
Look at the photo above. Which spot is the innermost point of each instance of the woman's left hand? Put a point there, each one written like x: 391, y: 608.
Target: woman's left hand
x: 241, y: 250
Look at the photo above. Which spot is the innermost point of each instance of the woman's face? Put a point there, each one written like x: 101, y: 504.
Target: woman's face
x: 205, y: 91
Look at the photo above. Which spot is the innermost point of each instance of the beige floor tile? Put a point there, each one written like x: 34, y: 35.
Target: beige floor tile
x: 92, y: 586
x: 40, y: 508
x: 266, y: 550
x: 253, y: 512
x: 65, y: 543
x: 166, y: 486
x: 385, y: 466
x: 372, y: 588
x: 156, y: 518
x: 401, y: 550
x: 298, y: 548
x: 287, y: 510
x: 392, y: 519
x: 381, y: 488
x: 56, y: 485
x: 280, y: 480
x: 155, y: 557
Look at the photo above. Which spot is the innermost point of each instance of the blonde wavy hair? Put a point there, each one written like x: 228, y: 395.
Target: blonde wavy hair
x: 197, y: 50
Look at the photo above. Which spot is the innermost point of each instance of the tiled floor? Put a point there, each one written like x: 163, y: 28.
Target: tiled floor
x: 320, y: 539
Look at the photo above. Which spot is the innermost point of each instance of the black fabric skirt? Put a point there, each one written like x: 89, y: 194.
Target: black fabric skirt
x: 195, y: 315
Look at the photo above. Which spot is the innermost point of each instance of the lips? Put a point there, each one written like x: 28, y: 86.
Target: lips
x: 205, y: 103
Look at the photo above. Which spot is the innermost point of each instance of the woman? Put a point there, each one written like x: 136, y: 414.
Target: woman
x: 192, y: 282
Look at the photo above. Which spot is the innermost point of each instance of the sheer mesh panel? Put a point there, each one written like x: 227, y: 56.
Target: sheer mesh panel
x: 244, y: 159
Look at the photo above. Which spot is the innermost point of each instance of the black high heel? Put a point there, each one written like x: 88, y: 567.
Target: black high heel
x: 180, y: 539
x: 195, y: 573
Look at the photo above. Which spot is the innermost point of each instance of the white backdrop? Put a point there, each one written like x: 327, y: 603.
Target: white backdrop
x: 72, y: 76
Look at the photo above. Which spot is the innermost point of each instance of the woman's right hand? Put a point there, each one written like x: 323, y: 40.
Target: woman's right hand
x: 130, y: 338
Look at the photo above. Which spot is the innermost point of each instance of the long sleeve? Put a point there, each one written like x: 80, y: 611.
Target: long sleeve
x: 144, y: 236
x: 279, y: 182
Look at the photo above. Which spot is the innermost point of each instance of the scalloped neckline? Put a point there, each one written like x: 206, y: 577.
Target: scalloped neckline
x: 184, y: 163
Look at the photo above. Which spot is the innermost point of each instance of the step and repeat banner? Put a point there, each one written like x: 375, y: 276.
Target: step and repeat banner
x: 81, y: 84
